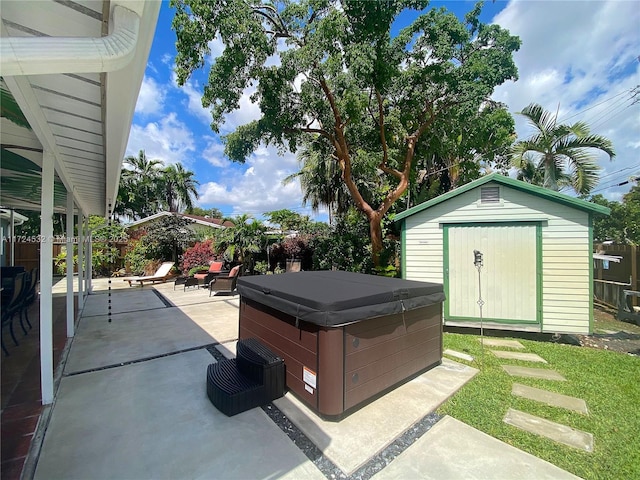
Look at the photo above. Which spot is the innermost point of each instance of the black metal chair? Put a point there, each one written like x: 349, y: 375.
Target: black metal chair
x: 30, y: 294
x: 14, y: 306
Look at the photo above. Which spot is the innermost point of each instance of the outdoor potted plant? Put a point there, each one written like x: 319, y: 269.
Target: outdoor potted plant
x: 293, y: 247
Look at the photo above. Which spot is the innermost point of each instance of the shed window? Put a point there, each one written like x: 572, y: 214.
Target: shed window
x: 490, y: 195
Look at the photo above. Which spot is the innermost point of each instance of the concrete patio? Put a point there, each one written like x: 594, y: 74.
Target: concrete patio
x: 132, y: 403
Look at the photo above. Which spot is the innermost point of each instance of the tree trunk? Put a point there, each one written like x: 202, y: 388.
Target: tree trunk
x: 375, y: 233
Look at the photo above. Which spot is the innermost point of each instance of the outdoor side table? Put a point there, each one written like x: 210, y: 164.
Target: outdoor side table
x: 179, y: 281
x: 191, y: 282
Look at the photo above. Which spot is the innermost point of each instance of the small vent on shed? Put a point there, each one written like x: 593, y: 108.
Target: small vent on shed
x: 490, y: 195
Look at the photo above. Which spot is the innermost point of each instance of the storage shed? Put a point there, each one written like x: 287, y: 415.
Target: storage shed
x: 537, y: 272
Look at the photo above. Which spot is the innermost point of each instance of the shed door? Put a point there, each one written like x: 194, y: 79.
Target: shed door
x: 508, y: 276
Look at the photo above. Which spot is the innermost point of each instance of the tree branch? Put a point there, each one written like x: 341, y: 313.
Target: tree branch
x: 383, y: 140
x: 342, y: 152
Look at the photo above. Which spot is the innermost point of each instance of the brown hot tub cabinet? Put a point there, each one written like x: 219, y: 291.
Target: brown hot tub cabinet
x: 345, y: 337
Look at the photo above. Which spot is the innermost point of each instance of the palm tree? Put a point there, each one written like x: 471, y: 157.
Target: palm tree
x: 179, y: 187
x: 140, y: 182
x: 321, y: 181
x: 246, y: 237
x: 558, y: 155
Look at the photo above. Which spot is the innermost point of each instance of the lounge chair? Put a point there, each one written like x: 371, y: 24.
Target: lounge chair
x: 226, y: 283
x: 161, y: 275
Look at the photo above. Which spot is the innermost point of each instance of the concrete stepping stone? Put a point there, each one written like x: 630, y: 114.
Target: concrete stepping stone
x: 542, y: 373
x: 552, y: 430
x: 527, y: 357
x: 550, y: 398
x: 501, y: 342
x: 460, y: 355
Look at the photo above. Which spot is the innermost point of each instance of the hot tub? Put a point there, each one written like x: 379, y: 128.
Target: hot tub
x: 345, y: 337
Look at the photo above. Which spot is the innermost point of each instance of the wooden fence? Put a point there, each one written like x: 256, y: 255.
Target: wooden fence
x: 27, y: 254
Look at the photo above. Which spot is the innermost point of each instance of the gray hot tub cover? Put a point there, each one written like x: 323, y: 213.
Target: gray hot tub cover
x: 336, y: 298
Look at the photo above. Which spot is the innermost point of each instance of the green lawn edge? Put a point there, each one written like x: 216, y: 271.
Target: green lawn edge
x: 609, y: 382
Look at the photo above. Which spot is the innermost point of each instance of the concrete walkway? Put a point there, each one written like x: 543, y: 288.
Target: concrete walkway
x: 132, y: 404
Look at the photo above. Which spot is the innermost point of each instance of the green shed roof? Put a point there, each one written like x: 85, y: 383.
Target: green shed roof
x: 516, y: 184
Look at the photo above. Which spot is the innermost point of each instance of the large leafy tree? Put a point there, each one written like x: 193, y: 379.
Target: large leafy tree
x: 342, y: 83
x: 559, y: 155
x: 205, y: 212
x: 623, y: 225
x: 460, y: 150
x: 168, y: 237
x: 286, y: 219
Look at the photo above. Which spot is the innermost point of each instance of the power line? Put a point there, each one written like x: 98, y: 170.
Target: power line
x: 631, y: 179
x: 617, y: 171
x: 564, y: 119
x: 603, y: 120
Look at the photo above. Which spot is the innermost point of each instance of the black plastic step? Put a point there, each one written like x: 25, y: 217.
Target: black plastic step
x: 260, y: 364
x: 254, y: 378
x: 230, y: 391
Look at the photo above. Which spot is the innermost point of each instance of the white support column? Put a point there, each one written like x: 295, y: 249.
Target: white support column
x: 70, y: 303
x: 46, y: 279
x: 80, y: 259
x: 89, y: 268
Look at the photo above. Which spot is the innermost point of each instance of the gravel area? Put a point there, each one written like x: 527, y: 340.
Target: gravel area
x: 326, y: 466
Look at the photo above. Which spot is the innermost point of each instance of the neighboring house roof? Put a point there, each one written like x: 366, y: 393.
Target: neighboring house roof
x: 208, y: 222
x: 515, y: 184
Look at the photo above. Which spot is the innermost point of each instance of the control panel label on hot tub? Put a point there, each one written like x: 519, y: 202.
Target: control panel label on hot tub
x: 309, y: 377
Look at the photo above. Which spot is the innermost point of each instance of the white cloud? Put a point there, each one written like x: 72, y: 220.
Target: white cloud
x: 247, y: 112
x: 575, y: 58
x: 194, y: 100
x: 169, y: 140
x: 167, y: 59
x: 256, y: 188
x: 214, y: 153
x: 151, y: 97
x: 217, y: 47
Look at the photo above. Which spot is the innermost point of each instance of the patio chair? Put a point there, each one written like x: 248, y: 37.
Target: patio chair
x: 30, y: 294
x: 14, y: 306
x: 226, y: 283
x: 161, y: 275
x: 215, y: 268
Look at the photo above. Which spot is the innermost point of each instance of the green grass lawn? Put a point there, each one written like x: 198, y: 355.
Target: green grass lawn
x: 608, y: 381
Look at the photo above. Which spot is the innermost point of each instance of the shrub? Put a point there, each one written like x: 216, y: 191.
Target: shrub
x: 198, y: 255
x: 196, y: 269
x: 136, y: 256
x: 261, y: 267
x: 61, y: 262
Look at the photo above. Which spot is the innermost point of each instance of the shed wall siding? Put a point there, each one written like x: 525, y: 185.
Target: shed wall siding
x: 565, y: 249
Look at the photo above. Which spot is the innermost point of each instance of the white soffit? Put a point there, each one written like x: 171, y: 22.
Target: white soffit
x: 76, y: 111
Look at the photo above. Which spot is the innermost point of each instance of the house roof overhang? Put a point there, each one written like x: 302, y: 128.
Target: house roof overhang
x: 71, y: 73
x: 512, y: 183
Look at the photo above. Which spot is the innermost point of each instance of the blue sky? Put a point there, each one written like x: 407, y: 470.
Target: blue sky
x: 578, y: 57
